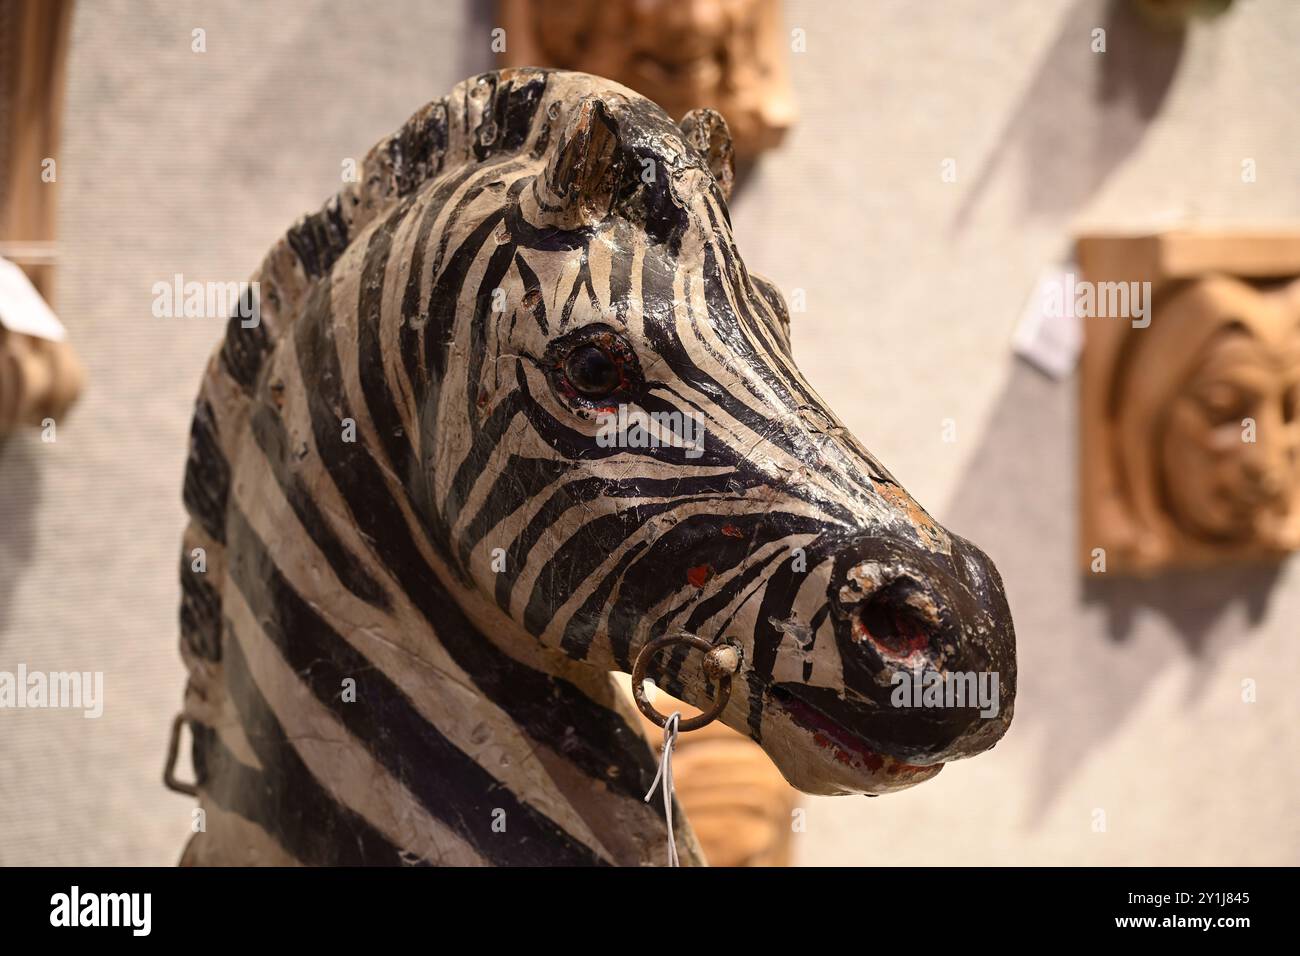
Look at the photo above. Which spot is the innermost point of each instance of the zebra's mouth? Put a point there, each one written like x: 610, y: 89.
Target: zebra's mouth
x: 847, y: 748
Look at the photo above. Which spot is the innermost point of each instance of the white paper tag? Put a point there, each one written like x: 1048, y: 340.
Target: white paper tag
x: 1048, y: 336
x: 22, y: 309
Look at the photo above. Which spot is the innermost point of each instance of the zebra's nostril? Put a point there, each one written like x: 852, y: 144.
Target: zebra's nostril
x: 898, y: 619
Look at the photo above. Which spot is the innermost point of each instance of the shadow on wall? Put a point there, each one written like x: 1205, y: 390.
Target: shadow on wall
x: 21, y: 476
x: 1083, y: 113
x: 1080, y: 672
x: 1192, y: 602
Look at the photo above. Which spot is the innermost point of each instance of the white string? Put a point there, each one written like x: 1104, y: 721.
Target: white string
x: 665, y: 772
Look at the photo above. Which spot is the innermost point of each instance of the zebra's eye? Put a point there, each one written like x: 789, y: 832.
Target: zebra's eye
x: 592, y: 371
x: 593, y: 367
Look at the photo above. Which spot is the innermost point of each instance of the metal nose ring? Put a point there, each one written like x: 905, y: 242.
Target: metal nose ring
x: 720, y: 663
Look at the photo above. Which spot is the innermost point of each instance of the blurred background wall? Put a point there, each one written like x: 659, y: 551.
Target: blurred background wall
x: 1130, y: 696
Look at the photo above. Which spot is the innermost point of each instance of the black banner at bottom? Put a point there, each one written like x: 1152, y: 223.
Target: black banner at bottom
x: 934, y: 906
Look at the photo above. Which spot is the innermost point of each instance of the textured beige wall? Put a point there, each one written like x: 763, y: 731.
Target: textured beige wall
x: 1129, y: 696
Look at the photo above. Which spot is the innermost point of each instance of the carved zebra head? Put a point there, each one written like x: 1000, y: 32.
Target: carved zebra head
x: 505, y: 410
x: 617, y: 445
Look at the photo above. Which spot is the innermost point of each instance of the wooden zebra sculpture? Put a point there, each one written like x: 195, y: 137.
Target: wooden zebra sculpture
x: 427, y: 539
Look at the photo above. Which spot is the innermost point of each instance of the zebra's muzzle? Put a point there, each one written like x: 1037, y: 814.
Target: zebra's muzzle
x: 926, y: 657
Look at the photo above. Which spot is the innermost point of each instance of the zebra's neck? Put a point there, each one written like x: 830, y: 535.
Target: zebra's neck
x: 351, y: 749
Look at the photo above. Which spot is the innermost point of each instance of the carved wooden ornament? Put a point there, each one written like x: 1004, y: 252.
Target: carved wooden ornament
x: 40, y: 377
x: 39, y: 380
x: 514, y: 409
x: 1176, y: 14
x: 1190, y: 434
x: 726, y: 55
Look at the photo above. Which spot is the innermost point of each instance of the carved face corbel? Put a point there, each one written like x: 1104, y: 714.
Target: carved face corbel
x: 726, y: 55
x: 1191, y: 422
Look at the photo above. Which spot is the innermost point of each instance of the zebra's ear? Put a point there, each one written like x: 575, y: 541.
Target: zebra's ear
x: 707, y: 131
x: 578, y: 187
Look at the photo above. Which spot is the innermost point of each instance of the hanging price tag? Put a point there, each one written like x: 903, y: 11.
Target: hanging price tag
x: 22, y: 309
x: 1050, y: 333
